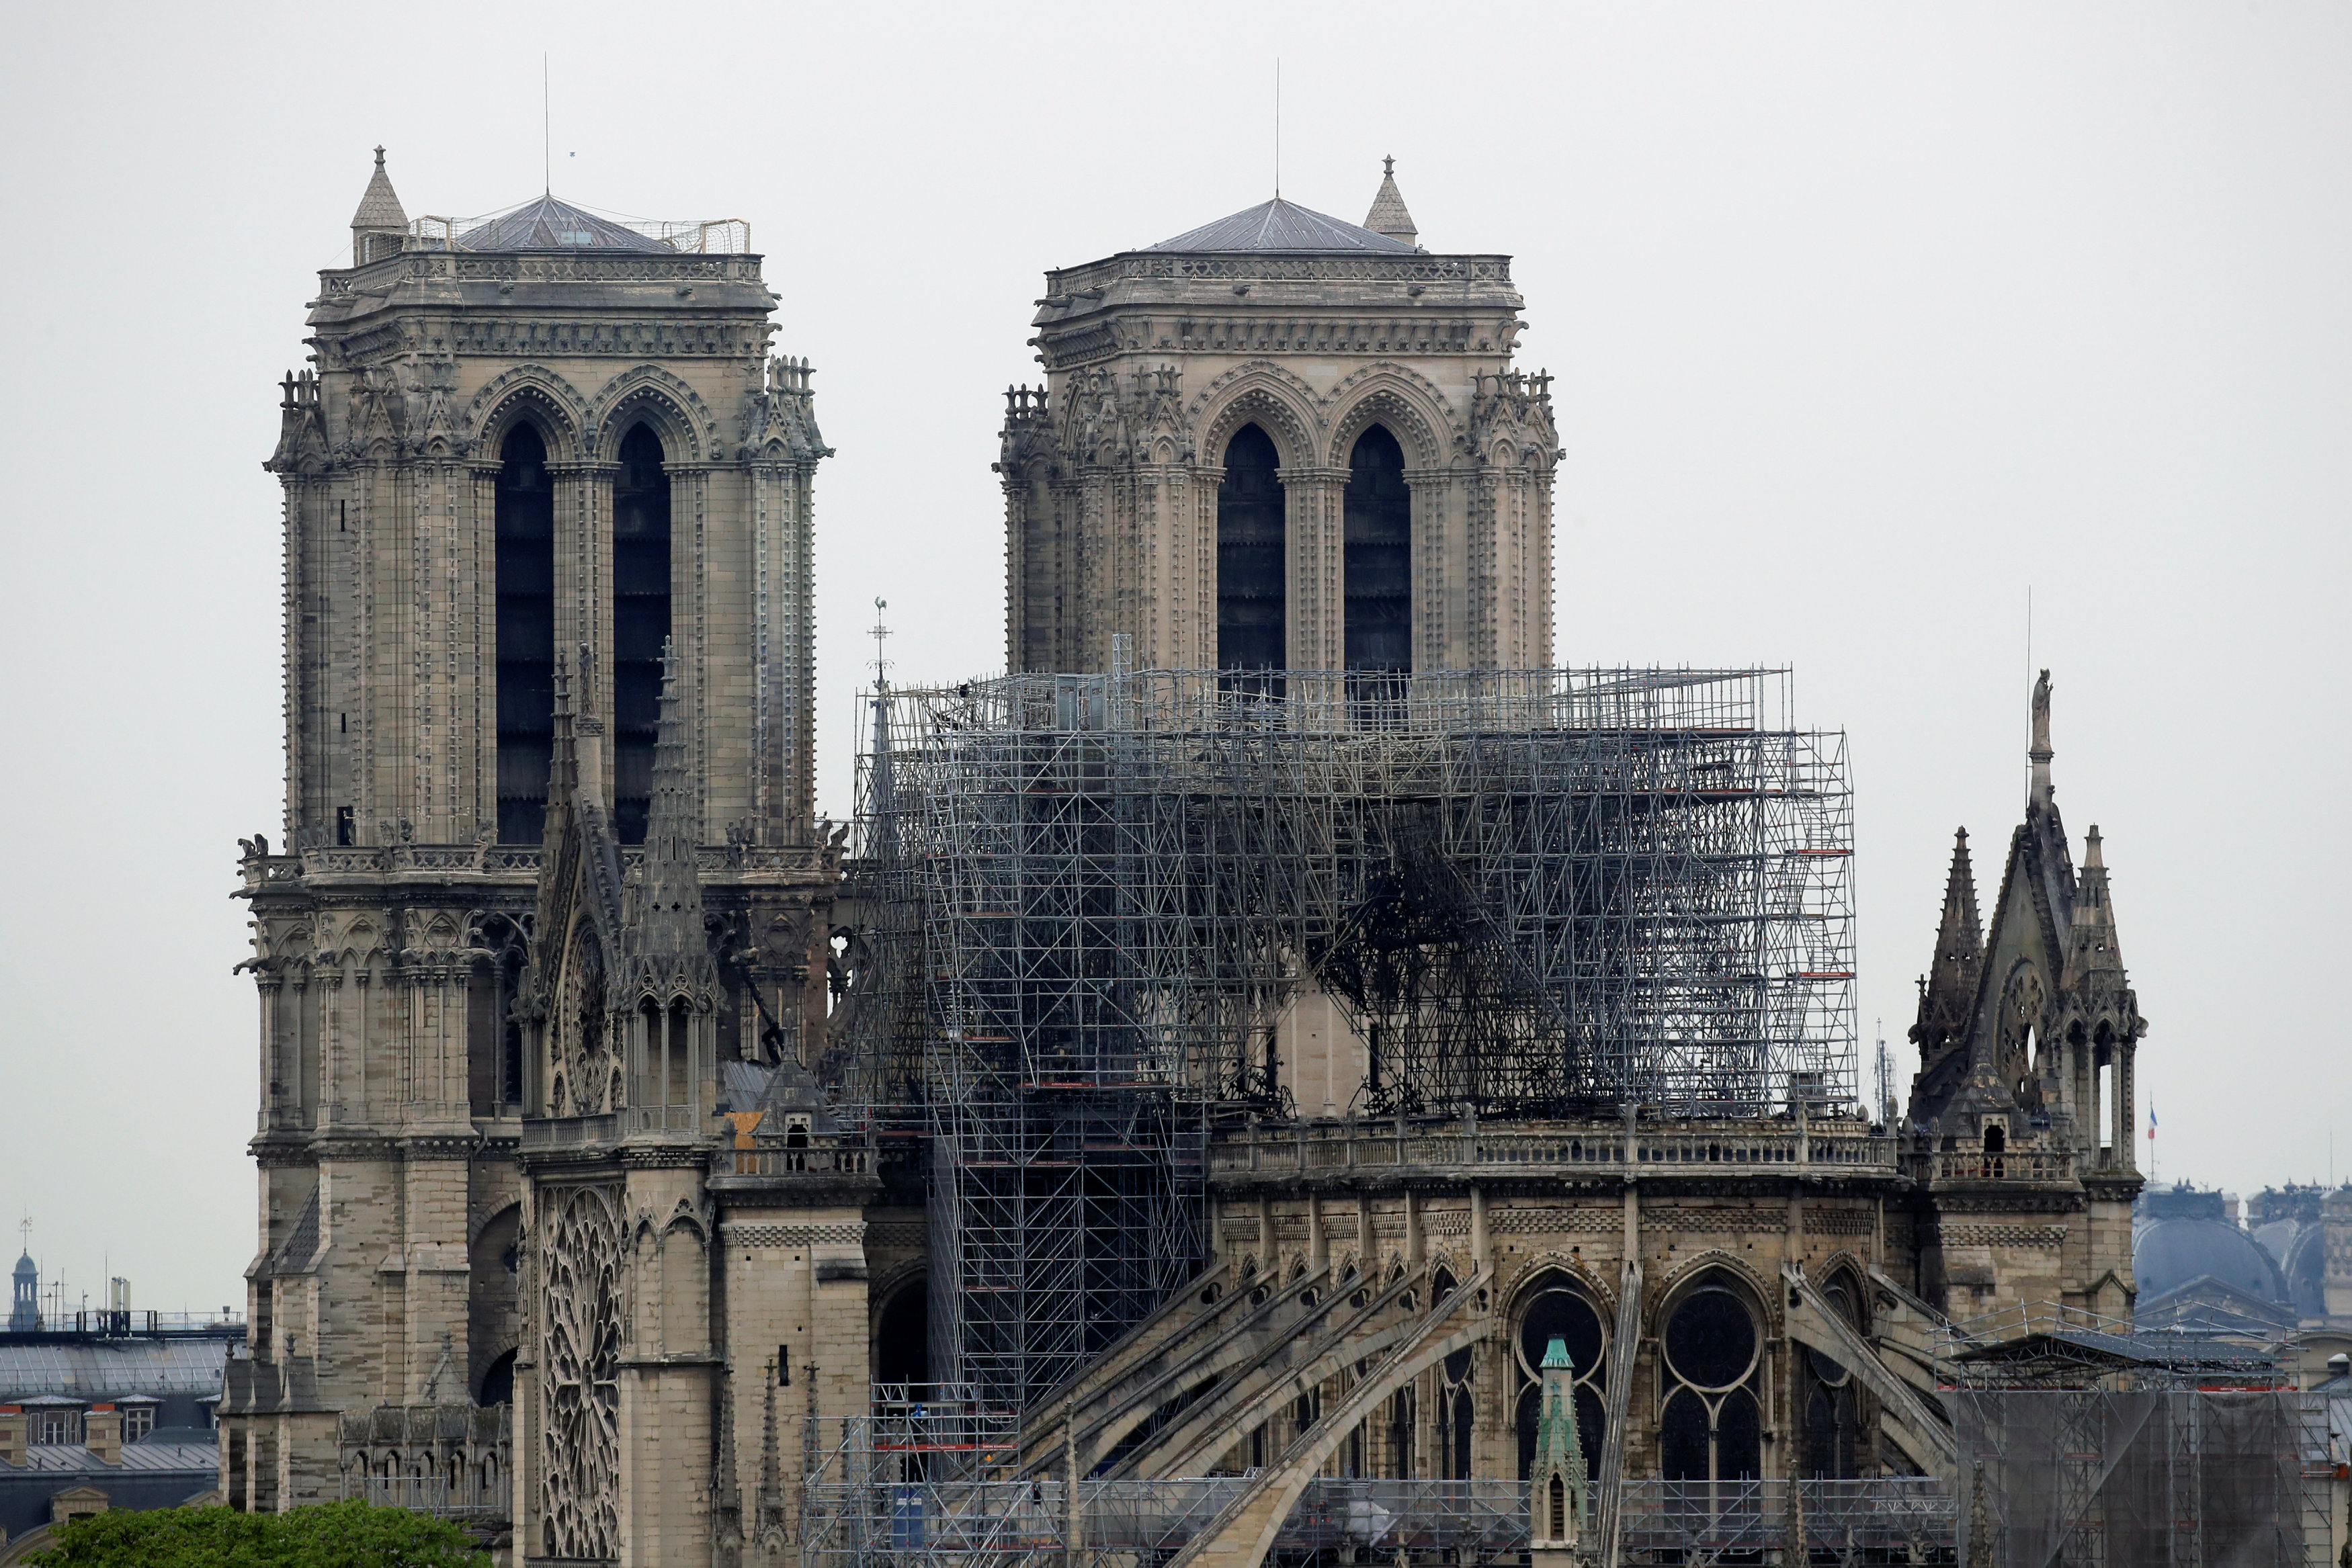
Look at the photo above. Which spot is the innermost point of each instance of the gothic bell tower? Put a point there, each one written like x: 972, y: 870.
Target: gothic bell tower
x: 542, y: 439
x: 1281, y: 440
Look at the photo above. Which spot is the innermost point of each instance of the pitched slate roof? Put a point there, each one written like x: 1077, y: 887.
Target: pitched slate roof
x: 197, y: 1459
x: 1283, y: 226
x: 77, y: 1373
x: 547, y: 224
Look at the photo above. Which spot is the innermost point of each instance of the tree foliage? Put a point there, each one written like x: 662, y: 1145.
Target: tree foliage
x: 326, y: 1535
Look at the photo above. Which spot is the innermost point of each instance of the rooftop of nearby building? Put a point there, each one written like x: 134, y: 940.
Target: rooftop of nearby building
x: 194, y: 1457
x: 85, y: 1369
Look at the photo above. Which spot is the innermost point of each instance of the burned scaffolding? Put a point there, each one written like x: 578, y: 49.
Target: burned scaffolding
x: 1530, y: 893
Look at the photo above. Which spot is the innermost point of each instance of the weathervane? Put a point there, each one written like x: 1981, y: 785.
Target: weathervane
x: 881, y: 665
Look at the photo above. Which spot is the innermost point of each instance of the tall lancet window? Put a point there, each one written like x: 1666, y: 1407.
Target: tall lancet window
x: 640, y: 624
x: 525, y: 524
x: 1252, y: 603
x: 1378, y: 520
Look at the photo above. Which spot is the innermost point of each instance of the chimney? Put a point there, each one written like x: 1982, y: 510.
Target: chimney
x: 13, y: 1430
x: 101, y: 1431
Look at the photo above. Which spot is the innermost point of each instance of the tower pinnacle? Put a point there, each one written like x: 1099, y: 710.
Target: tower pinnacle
x: 380, y: 223
x: 1387, y: 215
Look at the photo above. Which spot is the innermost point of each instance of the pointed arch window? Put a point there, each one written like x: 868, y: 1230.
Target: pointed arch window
x: 1377, y: 519
x: 1832, y: 1426
x: 1557, y: 1309
x: 1253, y: 588
x: 524, y: 526
x: 641, y: 620
x: 1711, y: 1429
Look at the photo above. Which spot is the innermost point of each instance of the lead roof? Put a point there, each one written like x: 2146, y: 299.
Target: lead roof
x: 1280, y: 226
x: 547, y: 224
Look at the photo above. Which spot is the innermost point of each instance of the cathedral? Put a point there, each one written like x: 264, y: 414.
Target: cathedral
x: 1282, y: 1034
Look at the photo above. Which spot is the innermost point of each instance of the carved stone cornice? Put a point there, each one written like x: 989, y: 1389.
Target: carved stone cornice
x: 577, y: 1163
x: 1989, y: 1200
x: 666, y: 1156
x: 817, y: 1233
x: 439, y: 1146
x: 361, y: 1148
x: 799, y: 1189
x: 282, y: 1151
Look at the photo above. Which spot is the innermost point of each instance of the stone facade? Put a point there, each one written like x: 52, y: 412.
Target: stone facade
x: 551, y: 441
x: 543, y: 1013
x: 1119, y: 474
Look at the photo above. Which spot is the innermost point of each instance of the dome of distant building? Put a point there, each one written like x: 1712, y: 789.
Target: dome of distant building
x: 2184, y: 1239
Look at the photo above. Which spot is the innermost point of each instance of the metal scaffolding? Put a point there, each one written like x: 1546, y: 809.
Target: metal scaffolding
x: 2144, y: 1475
x: 1532, y: 893
x: 928, y: 1476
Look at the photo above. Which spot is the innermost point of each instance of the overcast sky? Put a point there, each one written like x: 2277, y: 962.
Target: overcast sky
x: 1866, y: 319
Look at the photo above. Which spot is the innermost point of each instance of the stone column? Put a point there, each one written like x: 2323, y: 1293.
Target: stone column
x: 584, y: 578
x: 273, y: 1058
x: 1431, y: 490
x: 1200, y: 651
x: 778, y: 777
x: 334, y: 1074
x: 1314, y: 578
x: 1482, y: 562
x: 2127, y: 1156
x: 478, y: 648
x: 1168, y: 571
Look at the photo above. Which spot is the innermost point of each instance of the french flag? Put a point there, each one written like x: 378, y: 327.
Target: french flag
x: 2151, y: 1119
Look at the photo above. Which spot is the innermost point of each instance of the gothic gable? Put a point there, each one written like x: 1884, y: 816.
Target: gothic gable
x: 2012, y: 1030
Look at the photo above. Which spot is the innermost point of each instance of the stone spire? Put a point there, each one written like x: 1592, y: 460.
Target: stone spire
x: 1387, y: 215
x: 563, y: 756
x: 380, y: 213
x: 669, y: 908
x: 2091, y: 946
x: 1557, y: 1503
x: 1950, y: 988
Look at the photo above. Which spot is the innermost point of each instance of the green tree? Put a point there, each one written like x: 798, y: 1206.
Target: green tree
x: 326, y: 1535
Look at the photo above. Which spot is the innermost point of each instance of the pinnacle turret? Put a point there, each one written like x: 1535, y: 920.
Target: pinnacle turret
x: 1949, y: 989
x: 1387, y: 215
x: 379, y: 214
x: 2091, y: 945
x: 669, y: 920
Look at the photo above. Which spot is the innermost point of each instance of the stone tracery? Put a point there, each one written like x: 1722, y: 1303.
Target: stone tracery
x: 579, y: 1343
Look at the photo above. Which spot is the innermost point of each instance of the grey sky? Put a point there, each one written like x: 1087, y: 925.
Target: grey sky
x: 1865, y: 318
